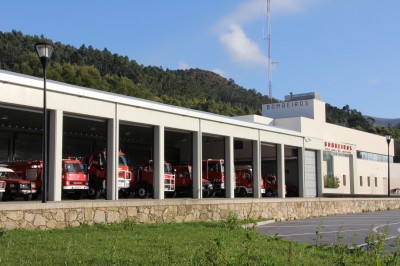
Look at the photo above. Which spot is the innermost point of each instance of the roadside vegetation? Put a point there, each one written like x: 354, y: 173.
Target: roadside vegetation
x: 199, y: 243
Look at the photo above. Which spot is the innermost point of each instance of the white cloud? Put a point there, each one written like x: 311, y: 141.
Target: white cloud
x: 235, y: 41
x: 219, y: 72
x: 254, y: 10
x: 182, y: 65
x: 241, y: 48
x: 246, y: 12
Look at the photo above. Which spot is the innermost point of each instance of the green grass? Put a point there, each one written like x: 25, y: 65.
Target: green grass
x: 201, y: 243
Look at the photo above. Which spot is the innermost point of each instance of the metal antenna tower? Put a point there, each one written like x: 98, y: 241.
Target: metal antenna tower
x: 269, y: 51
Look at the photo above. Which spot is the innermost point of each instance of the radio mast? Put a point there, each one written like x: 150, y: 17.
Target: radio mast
x: 269, y: 51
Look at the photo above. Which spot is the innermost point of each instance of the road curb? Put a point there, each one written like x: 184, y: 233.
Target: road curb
x: 253, y: 225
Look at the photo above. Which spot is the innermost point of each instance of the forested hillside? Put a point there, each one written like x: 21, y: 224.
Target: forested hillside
x: 194, y: 88
x: 89, y: 67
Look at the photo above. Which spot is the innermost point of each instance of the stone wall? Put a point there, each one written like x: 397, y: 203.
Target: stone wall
x: 50, y: 215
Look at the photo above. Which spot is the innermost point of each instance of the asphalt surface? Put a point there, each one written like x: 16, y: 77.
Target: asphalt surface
x: 350, y: 229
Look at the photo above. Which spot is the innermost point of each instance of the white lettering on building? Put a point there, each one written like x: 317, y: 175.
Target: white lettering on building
x: 287, y: 105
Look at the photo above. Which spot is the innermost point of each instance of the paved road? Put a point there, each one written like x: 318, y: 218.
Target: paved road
x: 349, y: 229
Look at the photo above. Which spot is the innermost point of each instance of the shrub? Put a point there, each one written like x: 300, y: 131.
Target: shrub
x: 331, y: 182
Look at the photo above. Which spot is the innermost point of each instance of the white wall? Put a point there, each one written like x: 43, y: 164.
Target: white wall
x: 341, y: 167
x: 317, y: 132
x: 395, y: 175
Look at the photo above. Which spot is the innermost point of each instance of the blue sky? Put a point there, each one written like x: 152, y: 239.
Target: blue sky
x: 346, y: 50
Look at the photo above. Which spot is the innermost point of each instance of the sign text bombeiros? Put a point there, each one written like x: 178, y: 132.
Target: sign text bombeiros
x: 288, y: 105
x: 338, y: 147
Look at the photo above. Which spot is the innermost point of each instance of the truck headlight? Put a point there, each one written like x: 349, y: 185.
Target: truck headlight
x: 23, y: 185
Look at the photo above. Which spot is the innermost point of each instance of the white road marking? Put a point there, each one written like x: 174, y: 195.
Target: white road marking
x: 387, y: 238
x: 313, y: 225
x: 375, y: 229
x: 327, y: 232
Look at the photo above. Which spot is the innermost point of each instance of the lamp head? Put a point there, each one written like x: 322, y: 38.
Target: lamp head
x: 44, y: 52
x: 388, y: 138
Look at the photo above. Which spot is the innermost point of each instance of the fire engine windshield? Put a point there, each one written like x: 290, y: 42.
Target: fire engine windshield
x: 216, y: 167
x: 8, y: 175
x: 122, y: 160
x: 167, y: 168
x: 74, y: 168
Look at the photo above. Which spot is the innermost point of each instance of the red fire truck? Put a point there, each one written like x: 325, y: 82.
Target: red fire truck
x: 184, y: 181
x: 143, y: 183
x: 74, y: 178
x: 244, y: 181
x: 16, y: 187
x: 98, y: 174
x: 271, y: 186
x: 2, y: 189
x: 214, y: 171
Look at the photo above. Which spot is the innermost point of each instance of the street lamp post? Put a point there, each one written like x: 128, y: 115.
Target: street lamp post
x: 388, y: 139
x: 44, y: 52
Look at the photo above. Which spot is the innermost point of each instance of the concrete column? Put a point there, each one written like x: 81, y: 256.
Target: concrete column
x: 158, y: 178
x: 229, y: 168
x: 55, y: 155
x: 112, y: 158
x: 197, y: 165
x: 320, y: 178
x: 301, y: 161
x: 256, y: 169
x: 280, y: 157
x: 353, y: 173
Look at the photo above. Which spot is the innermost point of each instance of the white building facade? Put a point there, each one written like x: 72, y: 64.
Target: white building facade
x: 356, y: 159
x: 291, y: 140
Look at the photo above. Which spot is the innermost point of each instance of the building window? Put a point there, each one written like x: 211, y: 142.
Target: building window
x: 369, y: 181
x: 344, y: 180
x: 373, y: 156
x: 376, y: 181
x: 328, y: 157
x: 361, y: 181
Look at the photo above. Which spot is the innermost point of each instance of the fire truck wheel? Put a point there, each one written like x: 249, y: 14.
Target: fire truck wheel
x: 5, y: 197
x: 170, y: 194
x: 143, y: 191
x: 206, y: 193
x: 242, y: 192
x: 28, y: 197
x: 124, y: 194
x: 269, y: 193
x: 93, y: 193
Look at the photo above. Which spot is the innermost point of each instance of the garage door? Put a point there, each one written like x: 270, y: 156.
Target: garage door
x: 310, y: 174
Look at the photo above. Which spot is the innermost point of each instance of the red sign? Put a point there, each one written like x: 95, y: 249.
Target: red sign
x: 338, y: 147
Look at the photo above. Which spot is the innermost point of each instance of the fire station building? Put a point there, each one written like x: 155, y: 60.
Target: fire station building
x: 291, y: 140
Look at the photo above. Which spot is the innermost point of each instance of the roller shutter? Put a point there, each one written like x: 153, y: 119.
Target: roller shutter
x: 310, y: 165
